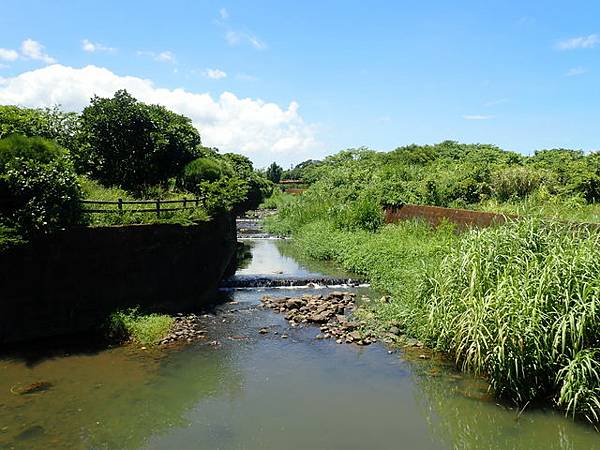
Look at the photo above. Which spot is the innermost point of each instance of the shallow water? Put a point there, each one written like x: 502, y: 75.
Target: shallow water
x: 253, y: 391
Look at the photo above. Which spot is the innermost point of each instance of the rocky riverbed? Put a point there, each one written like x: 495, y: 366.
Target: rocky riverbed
x: 186, y: 328
x: 330, y: 312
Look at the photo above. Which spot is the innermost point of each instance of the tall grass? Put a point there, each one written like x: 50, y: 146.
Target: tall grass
x: 544, y: 205
x: 521, y: 304
x: 394, y: 260
x: 145, y: 329
x: 277, y: 200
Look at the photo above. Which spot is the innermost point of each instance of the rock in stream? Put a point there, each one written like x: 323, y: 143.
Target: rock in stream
x: 330, y: 312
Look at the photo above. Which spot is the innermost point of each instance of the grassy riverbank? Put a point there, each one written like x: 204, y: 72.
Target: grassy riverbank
x: 95, y: 191
x: 144, y: 329
x: 518, y: 304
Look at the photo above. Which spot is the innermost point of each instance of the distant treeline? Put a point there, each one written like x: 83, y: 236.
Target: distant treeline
x: 352, y: 184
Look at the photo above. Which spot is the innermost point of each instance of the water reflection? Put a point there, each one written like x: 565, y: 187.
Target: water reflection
x: 243, y: 254
x: 463, y: 415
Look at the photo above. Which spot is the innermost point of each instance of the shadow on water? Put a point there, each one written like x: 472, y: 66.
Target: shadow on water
x: 35, y: 352
x: 114, y: 398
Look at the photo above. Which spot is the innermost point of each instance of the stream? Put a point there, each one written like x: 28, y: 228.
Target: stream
x: 240, y: 389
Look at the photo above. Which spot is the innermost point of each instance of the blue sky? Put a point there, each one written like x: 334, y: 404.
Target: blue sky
x: 306, y: 79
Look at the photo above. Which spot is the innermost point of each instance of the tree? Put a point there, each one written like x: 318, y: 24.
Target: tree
x: 258, y: 187
x: 131, y: 144
x: 49, y: 123
x: 274, y: 172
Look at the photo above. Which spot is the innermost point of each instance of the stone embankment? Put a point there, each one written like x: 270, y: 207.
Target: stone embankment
x: 330, y: 312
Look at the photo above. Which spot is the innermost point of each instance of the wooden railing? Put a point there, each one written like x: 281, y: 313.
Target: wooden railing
x: 158, y: 206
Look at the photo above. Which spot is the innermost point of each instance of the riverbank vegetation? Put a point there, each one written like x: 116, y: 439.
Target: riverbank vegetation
x: 517, y: 303
x: 143, y: 329
x: 558, y: 183
x: 117, y: 148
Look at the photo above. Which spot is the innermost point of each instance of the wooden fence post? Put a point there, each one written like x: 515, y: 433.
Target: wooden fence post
x: 120, y: 206
x: 158, y: 207
x: 196, y: 201
x: 184, y: 202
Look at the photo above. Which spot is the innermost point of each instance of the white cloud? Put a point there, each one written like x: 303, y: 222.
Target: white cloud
x: 214, y: 74
x: 92, y: 47
x: 579, y: 42
x: 575, y: 71
x: 239, y: 37
x: 246, y: 77
x: 477, y: 117
x: 497, y: 102
x: 261, y: 130
x: 8, y: 54
x: 164, y: 57
x: 34, y: 50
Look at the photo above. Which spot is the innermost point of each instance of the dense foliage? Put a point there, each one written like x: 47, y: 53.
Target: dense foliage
x: 256, y: 187
x: 517, y: 303
x: 447, y: 174
x: 49, y: 123
x: 134, y: 145
x: 203, y: 169
x: 521, y: 303
x: 39, y: 191
x: 119, y: 148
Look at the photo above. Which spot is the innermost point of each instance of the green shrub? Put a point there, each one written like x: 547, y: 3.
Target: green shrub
x: 34, y: 149
x: 142, y: 329
x: 365, y: 213
x: 516, y: 182
x: 222, y: 195
x: 39, y: 190
x: 49, y: 123
x: 258, y: 187
x: 201, y: 170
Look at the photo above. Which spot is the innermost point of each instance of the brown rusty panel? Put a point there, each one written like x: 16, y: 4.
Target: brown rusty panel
x: 435, y: 215
x: 463, y: 218
x: 291, y: 182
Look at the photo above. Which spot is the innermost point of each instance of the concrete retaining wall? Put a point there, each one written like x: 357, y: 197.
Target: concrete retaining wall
x: 71, y: 281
